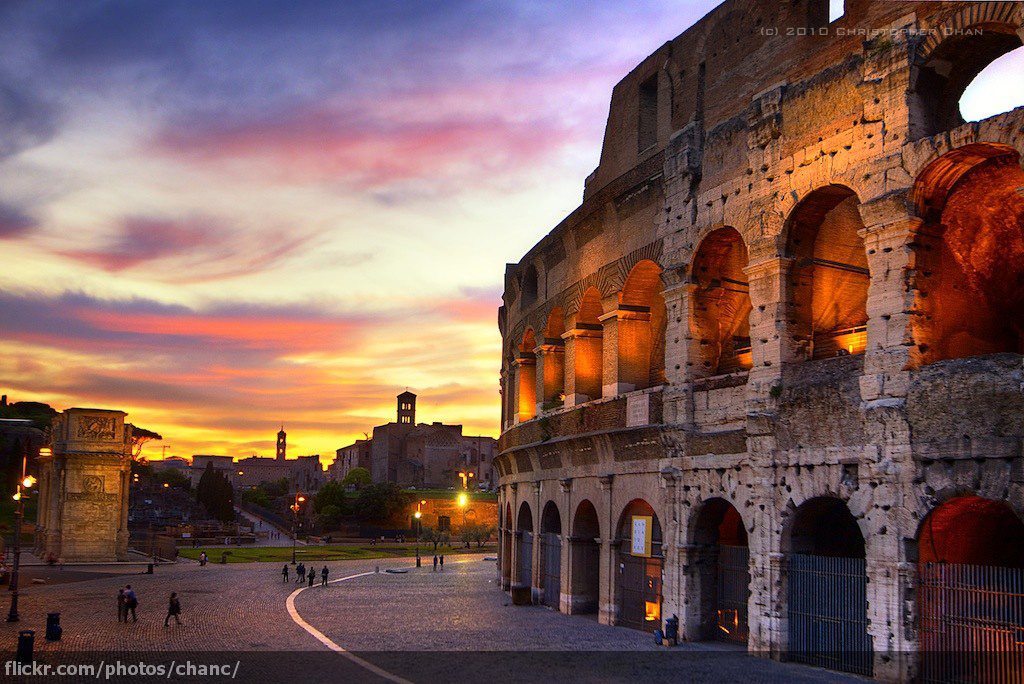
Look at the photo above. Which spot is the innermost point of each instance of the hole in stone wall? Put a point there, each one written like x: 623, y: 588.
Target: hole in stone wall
x: 997, y: 89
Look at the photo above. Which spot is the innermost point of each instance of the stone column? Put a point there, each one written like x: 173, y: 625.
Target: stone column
x: 536, y: 579
x: 565, y: 548
x: 627, y: 349
x: 678, y: 396
x: 893, y: 307
x: 771, y: 346
x: 583, y: 363
x: 672, y: 602
x: 526, y: 387
x: 550, y: 372
x: 607, y: 608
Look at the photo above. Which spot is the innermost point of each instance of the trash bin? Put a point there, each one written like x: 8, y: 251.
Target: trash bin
x: 26, y: 641
x: 149, y: 569
x: 659, y: 636
x: 672, y: 629
x: 53, y: 628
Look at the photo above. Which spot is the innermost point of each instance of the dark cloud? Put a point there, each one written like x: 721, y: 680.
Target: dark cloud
x: 14, y: 222
x: 26, y: 119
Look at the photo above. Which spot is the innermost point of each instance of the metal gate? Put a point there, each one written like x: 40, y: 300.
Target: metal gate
x: 828, y: 613
x: 972, y: 624
x: 733, y: 583
x: 640, y: 592
x: 551, y: 557
x: 526, y: 558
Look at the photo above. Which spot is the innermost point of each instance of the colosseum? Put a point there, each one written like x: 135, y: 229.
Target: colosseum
x: 767, y: 379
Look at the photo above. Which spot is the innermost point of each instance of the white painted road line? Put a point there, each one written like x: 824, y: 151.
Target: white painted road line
x: 326, y: 641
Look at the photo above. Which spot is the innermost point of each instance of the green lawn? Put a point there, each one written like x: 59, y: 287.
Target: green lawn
x: 334, y: 552
x: 451, y: 494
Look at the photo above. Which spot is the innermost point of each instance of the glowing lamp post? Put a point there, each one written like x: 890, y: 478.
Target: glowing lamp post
x: 466, y: 476
x: 27, y: 481
x: 418, y: 515
x: 295, y: 521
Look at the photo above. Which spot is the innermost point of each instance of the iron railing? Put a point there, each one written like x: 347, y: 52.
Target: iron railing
x: 551, y: 560
x: 828, y: 613
x: 733, y: 590
x: 971, y: 624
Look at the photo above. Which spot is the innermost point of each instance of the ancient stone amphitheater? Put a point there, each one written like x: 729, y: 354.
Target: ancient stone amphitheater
x: 767, y: 378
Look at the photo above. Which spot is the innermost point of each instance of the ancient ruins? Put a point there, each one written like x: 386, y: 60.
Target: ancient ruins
x: 768, y: 376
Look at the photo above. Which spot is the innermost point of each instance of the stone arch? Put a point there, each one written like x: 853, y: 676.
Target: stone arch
x: 972, y: 530
x: 640, y: 326
x: 971, y: 259
x: 640, y: 564
x: 584, y: 559
x: 524, y: 539
x: 584, y: 348
x: 826, y: 588
x: 551, y: 361
x: 720, y: 302
x: 827, y: 284
x: 970, y: 575
x: 720, y: 559
x: 951, y: 57
x: 551, y: 555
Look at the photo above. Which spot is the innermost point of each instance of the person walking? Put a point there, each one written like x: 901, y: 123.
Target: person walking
x: 323, y: 576
x: 442, y: 562
x: 122, y: 606
x: 435, y: 562
x: 312, y: 576
x: 300, y: 573
x: 284, y: 572
x: 173, y: 608
x: 131, y: 603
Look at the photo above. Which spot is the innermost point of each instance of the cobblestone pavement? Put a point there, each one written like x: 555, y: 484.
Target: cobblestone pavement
x: 422, y: 626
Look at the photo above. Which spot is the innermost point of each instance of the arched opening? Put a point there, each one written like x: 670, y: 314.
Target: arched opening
x: 720, y: 316
x: 529, y: 295
x: 971, y: 591
x: 585, y: 560
x: 551, y: 555
x: 640, y: 323
x: 638, y: 582
x: 506, y: 548
x: 827, y: 588
x: 722, y: 560
x: 526, y: 364
x: 524, y: 537
x: 583, y: 351
x: 828, y: 277
x: 971, y: 273
x: 943, y: 73
x: 551, y: 361
x: 996, y: 89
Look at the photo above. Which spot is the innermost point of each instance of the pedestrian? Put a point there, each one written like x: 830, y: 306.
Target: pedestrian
x: 323, y: 576
x: 442, y: 561
x: 203, y: 558
x: 131, y: 603
x: 435, y: 562
x: 122, y: 606
x: 312, y: 576
x: 173, y: 608
x: 300, y: 573
x: 284, y: 572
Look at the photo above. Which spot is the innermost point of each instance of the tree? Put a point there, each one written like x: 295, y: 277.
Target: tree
x: 380, y: 502
x: 216, y: 494
x: 357, y: 477
x: 434, y: 536
x: 175, y: 478
x: 139, y: 438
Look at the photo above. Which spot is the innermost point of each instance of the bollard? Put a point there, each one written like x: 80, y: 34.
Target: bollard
x: 377, y: 569
x: 672, y: 630
x: 149, y: 569
x: 26, y: 640
x: 418, y: 562
x: 53, y: 628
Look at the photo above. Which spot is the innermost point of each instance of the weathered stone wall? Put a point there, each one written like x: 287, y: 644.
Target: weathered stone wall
x: 837, y: 158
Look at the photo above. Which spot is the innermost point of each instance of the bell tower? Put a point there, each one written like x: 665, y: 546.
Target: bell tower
x: 282, y: 446
x: 407, y: 408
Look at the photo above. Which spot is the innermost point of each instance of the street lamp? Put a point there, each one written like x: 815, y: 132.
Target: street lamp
x: 465, y: 478
x: 295, y: 521
x: 418, y: 515
x: 26, y: 482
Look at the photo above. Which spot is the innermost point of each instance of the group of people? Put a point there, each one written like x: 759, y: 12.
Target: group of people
x: 301, y: 575
x: 128, y: 601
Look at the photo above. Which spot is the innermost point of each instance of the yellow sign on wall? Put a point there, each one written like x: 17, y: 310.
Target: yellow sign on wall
x: 641, y: 542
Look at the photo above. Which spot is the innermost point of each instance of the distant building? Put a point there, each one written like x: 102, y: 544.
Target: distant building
x: 303, y: 473
x: 177, y: 463
x: 224, y: 464
x: 419, y: 455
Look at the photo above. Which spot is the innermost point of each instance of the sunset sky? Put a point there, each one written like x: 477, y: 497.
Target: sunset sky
x: 223, y: 217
